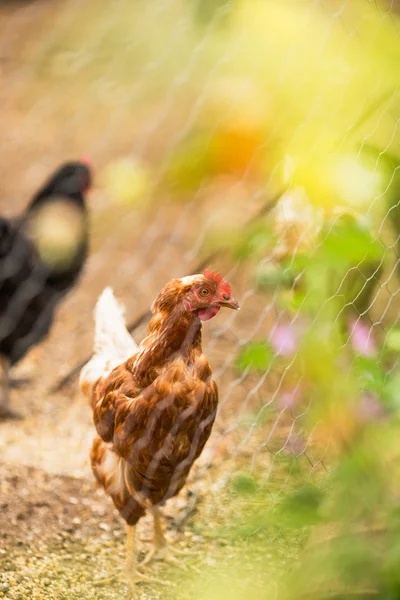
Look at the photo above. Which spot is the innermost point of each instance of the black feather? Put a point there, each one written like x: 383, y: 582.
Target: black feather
x: 30, y: 289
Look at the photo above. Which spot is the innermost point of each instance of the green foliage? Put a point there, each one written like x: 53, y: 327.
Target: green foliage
x: 392, y: 391
x: 273, y: 274
x: 254, y: 241
x: 352, y: 511
x: 392, y: 341
x: 256, y: 356
x: 300, y: 508
x: 340, y: 273
x: 347, y: 243
x: 370, y: 374
x: 242, y: 483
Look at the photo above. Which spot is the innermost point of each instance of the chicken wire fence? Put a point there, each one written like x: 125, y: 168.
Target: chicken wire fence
x: 236, y: 135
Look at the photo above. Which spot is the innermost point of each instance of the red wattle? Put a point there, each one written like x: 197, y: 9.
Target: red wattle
x: 205, y: 314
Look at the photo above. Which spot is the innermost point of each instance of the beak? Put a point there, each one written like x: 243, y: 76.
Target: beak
x: 231, y: 303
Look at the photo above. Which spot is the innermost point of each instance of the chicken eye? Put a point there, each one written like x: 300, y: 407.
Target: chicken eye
x: 204, y: 292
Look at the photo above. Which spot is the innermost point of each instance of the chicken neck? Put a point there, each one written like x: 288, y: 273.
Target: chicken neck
x: 171, y: 334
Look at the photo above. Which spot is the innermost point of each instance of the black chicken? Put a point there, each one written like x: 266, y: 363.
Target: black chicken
x: 41, y: 257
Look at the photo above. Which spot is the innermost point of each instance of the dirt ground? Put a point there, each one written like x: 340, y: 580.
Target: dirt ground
x: 58, y: 533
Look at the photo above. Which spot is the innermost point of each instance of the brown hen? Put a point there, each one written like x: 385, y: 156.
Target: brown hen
x: 153, y: 405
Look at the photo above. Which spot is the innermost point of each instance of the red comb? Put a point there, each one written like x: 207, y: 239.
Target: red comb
x: 222, y: 284
x: 85, y: 160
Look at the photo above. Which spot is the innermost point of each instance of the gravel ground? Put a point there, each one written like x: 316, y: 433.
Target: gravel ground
x: 61, y: 537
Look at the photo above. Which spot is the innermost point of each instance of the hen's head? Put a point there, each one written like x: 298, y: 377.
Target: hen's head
x: 202, y: 294
x: 71, y: 177
x: 72, y: 180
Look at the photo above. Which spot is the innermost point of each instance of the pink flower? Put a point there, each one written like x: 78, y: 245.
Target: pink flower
x: 370, y: 409
x: 295, y: 444
x: 284, y: 340
x: 289, y: 398
x: 361, y: 338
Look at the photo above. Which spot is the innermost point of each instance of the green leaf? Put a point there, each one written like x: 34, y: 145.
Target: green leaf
x: 392, y: 392
x: 271, y: 275
x: 254, y: 241
x: 292, y: 301
x: 257, y: 356
x: 370, y: 374
x: 301, y: 509
x: 244, y: 484
x: 348, y: 243
x: 392, y: 341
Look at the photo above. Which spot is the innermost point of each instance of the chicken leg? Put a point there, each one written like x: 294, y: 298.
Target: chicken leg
x: 5, y: 410
x: 133, y: 575
x: 161, y: 550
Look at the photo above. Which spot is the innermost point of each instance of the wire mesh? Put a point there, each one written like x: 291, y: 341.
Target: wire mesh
x: 198, y: 139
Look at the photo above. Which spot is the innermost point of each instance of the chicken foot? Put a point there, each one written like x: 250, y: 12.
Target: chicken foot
x: 132, y: 573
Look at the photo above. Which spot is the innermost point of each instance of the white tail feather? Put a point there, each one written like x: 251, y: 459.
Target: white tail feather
x: 111, y: 335
x: 113, y: 343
